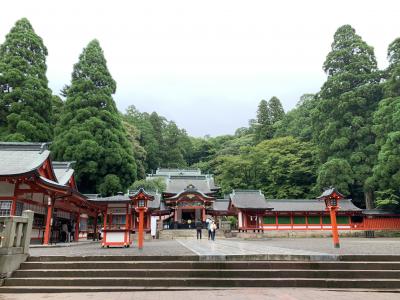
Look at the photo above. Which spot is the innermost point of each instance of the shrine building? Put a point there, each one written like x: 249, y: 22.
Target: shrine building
x: 191, y: 196
x: 30, y: 180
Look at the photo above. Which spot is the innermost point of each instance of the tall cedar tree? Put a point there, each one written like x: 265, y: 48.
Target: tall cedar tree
x: 263, y: 129
x: 387, y: 130
x: 342, y: 119
x: 90, y: 131
x: 298, y: 122
x: 276, y: 110
x: 268, y: 114
x: 25, y: 99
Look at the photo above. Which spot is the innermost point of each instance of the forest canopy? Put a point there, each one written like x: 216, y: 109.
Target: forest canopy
x: 346, y: 135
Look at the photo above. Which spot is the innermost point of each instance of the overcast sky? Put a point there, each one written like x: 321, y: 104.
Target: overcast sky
x: 204, y: 64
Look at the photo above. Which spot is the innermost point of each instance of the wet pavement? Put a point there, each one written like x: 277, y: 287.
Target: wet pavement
x: 295, y: 246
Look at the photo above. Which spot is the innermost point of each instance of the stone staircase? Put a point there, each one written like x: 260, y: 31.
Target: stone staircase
x: 59, y: 274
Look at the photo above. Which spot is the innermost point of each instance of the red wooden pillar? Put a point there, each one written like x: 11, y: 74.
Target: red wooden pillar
x: 244, y: 220
x: 104, y: 226
x: 140, y: 235
x: 335, y: 234
x: 49, y: 217
x: 95, y: 226
x: 13, y: 206
x: 78, y: 219
x: 203, y: 214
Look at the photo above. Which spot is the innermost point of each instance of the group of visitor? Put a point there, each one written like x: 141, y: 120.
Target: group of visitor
x: 67, y: 232
x: 211, y: 228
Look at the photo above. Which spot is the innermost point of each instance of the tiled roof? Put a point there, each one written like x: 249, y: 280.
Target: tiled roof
x: 380, y: 212
x: 154, y: 204
x: 177, y: 172
x: 220, y: 205
x: 251, y: 199
x: 330, y: 191
x: 21, y: 158
x: 177, y: 184
x: 308, y: 205
x: 63, y: 171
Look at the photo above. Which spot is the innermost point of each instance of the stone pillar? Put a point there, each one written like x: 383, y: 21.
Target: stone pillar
x: 26, y: 240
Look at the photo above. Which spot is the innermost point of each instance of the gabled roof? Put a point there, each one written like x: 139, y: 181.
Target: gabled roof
x: 329, y: 192
x: 221, y: 205
x: 22, y: 158
x: 290, y: 205
x: 190, y: 189
x: 250, y: 199
x: 114, y: 199
x: 63, y: 171
x: 178, y: 172
x: 120, y: 198
x: 203, y: 183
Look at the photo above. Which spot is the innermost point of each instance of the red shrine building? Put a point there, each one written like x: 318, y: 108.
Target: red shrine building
x: 30, y: 180
x: 191, y: 196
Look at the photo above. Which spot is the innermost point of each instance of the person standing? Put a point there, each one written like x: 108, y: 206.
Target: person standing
x: 209, y: 224
x: 199, y: 227
x: 213, y: 230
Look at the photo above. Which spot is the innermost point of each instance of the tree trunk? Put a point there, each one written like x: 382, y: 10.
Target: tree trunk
x: 369, y: 199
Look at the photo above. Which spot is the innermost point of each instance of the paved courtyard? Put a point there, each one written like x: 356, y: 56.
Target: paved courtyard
x: 204, y: 247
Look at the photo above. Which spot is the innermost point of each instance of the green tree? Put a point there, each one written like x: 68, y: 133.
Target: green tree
x: 276, y: 110
x: 342, y: 119
x: 90, y: 131
x: 176, y: 146
x: 139, y: 152
x: 25, y: 99
x: 281, y: 168
x: 386, y: 174
x: 268, y: 115
x: 234, y: 172
x: 153, y: 184
x: 147, y: 137
x: 298, y: 122
x: 57, y: 109
x: 336, y: 173
x: 263, y: 129
x: 111, y: 185
x: 285, y: 167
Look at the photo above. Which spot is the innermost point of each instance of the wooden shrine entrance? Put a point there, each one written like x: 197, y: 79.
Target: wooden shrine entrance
x: 188, y: 208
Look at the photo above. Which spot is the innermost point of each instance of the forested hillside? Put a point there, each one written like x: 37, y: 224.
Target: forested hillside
x: 347, y: 134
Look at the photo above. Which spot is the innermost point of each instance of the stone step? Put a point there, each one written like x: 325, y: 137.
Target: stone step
x: 247, y: 257
x: 61, y: 258
x: 208, y: 273
x: 323, y: 265
x: 93, y: 289
x: 207, y: 282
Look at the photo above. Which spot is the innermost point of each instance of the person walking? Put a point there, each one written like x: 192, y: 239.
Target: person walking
x: 213, y: 230
x: 199, y: 227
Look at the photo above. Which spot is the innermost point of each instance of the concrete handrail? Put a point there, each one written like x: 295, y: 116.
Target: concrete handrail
x: 15, y: 233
